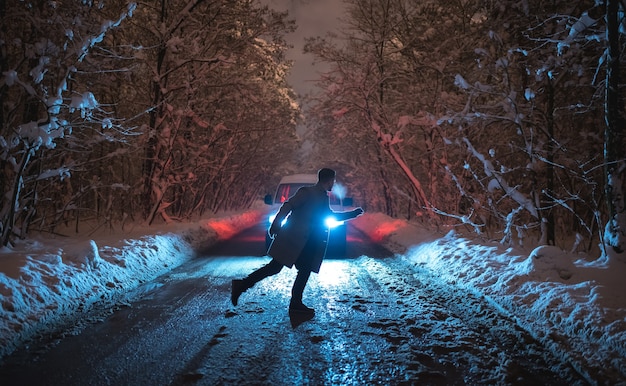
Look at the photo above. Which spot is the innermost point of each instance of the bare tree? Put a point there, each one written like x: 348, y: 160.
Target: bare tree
x: 376, y: 85
x: 44, y: 100
x: 217, y: 80
x: 471, y: 100
x: 203, y: 82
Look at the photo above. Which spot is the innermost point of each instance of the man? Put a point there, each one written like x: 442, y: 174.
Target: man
x: 301, y: 240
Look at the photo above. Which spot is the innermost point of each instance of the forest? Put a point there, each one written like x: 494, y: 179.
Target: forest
x: 504, y: 118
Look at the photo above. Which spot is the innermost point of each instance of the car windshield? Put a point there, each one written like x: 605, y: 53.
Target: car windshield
x: 285, y: 191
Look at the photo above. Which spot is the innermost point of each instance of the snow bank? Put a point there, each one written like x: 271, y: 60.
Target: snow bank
x: 574, y: 307
x: 44, y: 282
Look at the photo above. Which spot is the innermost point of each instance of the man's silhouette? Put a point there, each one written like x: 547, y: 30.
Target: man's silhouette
x: 301, y: 240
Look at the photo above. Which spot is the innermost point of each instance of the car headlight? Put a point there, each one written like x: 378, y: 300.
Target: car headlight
x: 330, y: 221
x: 273, y: 216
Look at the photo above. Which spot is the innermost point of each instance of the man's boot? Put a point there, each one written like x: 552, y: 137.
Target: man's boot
x: 296, y: 305
x: 237, y: 288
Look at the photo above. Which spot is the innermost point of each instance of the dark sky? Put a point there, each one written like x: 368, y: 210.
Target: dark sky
x: 314, y: 18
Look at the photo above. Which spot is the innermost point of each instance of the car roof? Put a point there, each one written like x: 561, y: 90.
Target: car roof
x: 299, y: 179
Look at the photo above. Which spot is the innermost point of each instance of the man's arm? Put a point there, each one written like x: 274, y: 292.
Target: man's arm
x: 349, y: 215
x: 286, y: 208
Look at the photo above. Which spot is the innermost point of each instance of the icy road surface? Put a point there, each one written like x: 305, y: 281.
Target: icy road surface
x: 379, y: 320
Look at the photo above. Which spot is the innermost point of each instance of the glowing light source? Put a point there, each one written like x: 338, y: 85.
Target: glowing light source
x: 330, y: 221
x: 273, y: 216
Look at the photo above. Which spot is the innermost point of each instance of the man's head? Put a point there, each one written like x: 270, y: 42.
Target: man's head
x: 326, y: 178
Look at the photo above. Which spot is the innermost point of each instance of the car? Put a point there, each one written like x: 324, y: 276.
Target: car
x: 289, y: 185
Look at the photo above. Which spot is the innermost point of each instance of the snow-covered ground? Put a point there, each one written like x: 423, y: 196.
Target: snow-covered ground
x: 45, y: 281
x: 574, y: 303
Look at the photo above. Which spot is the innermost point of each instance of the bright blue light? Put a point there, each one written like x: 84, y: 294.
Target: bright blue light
x: 273, y: 216
x: 331, y: 222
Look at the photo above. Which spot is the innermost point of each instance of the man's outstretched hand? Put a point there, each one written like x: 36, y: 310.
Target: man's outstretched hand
x: 358, y: 211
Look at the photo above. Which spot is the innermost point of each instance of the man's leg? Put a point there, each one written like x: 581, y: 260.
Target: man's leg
x: 296, y: 292
x: 240, y: 286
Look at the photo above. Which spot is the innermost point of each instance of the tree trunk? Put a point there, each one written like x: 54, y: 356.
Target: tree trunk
x: 548, y: 202
x: 419, y: 193
x: 613, y: 136
x: 388, y: 210
x: 149, y: 163
x: 8, y: 222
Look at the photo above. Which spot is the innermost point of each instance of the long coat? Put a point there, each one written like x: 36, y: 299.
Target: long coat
x: 303, y: 238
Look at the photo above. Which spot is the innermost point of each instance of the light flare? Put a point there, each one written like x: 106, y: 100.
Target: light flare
x: 330, y: 221
x: 384, y: 230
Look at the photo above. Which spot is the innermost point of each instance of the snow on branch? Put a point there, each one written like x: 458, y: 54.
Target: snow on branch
x: 104, y: 28
x: 562, y: 202
x: 62, y: 172
x: 510, y: 223
x: 85, y: 102
x: 464, y: 219
x: 581, y: 25
x: 496, y: 178
x: 37, y: 135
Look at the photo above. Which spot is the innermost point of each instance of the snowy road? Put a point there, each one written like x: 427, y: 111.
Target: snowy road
x: 378, y: 321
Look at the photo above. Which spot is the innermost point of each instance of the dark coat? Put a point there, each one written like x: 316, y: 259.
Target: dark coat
x: 303, y: 239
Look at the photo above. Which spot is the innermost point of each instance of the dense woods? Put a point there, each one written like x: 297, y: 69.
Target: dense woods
x: 116, y: 112
x: 503, y: 117
x: 480, y: 114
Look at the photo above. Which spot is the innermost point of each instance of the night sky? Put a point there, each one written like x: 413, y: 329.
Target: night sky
x: 314, y: 18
